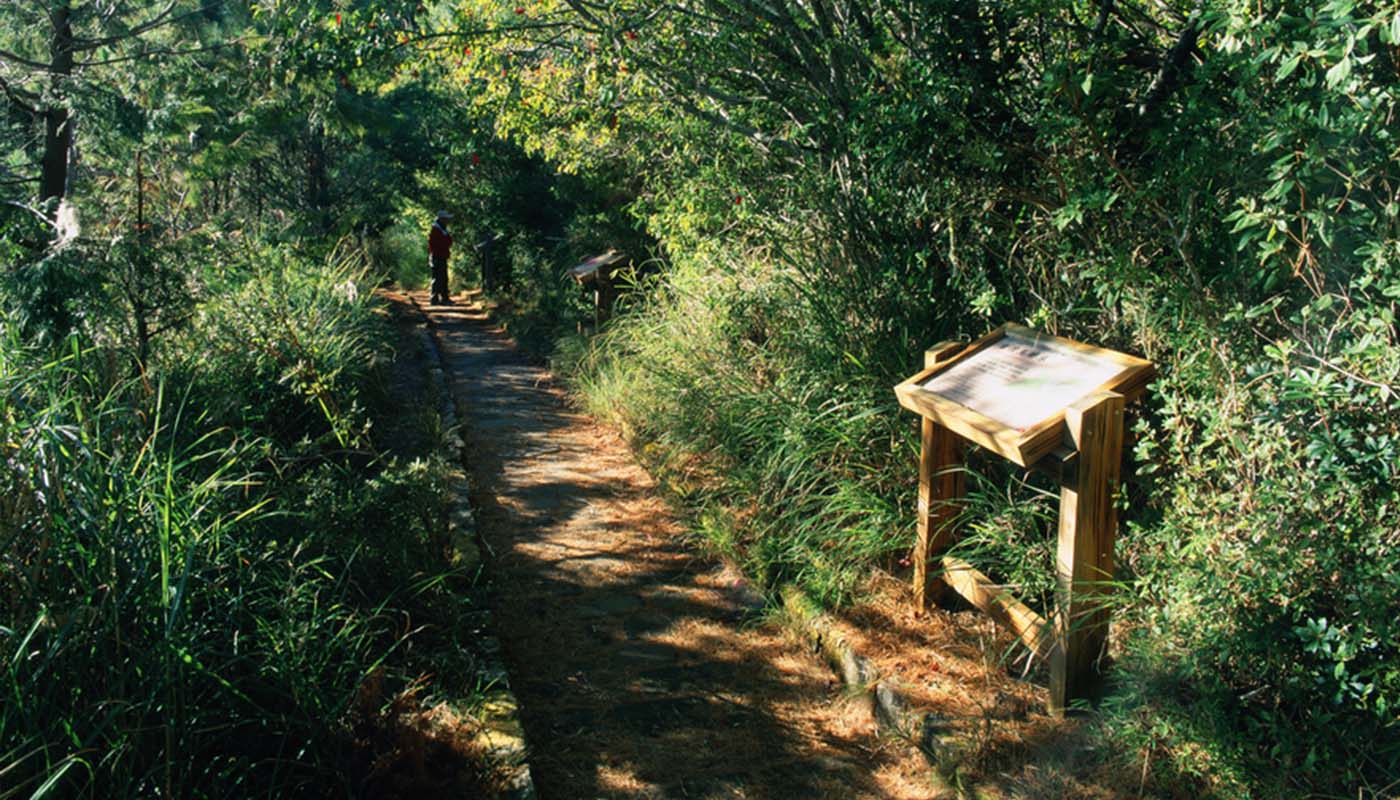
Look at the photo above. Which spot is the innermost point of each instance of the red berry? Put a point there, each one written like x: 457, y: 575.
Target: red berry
x: 337, y: 20
x: 476, y: 159
x: 738, y: 199
x: 520, y: 11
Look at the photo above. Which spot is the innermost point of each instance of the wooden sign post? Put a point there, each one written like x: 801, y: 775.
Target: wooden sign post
x: 490, y: 281
x: 1049, y: 404
x: 597, y: 273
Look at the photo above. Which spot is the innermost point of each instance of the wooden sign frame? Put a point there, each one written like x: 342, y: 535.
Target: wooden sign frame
x: 1081, y: 447
x: 1023, y: 446
x: 597, y: 269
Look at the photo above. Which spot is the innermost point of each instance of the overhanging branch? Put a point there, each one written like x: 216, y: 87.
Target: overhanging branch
x: 1172, y: 73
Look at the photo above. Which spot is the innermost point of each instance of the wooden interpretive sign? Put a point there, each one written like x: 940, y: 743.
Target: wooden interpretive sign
x: 490, y: 281
x: 596, y: 269
x: 1025, y: 395
x: 1008, y: 391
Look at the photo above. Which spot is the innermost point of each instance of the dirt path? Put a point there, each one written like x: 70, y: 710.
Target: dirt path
x: 639, y: 667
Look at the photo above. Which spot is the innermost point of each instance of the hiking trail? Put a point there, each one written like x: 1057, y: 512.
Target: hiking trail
x: 642, y: 667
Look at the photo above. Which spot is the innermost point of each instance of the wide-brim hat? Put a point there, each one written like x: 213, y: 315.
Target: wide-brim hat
x: 444, y: 214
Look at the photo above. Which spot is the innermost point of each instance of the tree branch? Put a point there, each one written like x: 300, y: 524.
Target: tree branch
x: 157, y: 21
x: 6, y: 55
x: 26, y: 207
x: 19, y: 96
x: 159, y: 52
x: 1172, y: 73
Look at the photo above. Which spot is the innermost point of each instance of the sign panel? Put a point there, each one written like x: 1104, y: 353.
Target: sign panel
x: 1008, y: 391
x: 1020, y: 381
x: 589, y: 271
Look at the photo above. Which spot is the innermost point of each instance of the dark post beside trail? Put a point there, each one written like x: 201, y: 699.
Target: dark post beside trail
x: 597, y: 273
x: 490, y: 281
x: 1049, y: 404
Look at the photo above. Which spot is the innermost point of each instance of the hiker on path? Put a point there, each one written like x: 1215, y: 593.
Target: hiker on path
x: 439, y: 247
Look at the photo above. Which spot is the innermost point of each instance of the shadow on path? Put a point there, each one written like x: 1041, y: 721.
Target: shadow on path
x: 637, y: 667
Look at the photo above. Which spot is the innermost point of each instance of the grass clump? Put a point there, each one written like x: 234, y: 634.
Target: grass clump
x: 213, y: 570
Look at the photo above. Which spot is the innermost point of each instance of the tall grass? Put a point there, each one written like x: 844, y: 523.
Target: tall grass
x: 188, y: 604
x: 799, y: 463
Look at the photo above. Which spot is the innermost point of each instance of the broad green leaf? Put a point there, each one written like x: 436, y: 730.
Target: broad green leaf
x: 1339, y: 72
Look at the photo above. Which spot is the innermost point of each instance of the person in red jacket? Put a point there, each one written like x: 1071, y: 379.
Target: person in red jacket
x: 439, y: 247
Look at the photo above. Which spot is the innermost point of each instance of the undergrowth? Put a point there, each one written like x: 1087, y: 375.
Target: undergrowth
x: 213, y: 573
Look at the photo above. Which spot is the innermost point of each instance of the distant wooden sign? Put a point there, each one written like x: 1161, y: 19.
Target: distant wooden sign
x: 597, y: 274
x: 596, y: 269
x: 1008, y: 391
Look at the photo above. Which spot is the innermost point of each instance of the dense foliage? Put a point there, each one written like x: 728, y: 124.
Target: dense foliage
x: 833, y: 186
x: 200, y: 456
x: 182, y: 573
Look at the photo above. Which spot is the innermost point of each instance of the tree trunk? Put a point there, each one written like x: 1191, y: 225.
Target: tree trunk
x: 58, y: 119
x: 317, y: 182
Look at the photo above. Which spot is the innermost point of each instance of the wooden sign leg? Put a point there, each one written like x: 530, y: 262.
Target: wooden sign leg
x: 603, y: 299
x: 940, y: 487
x: 1088, y: 525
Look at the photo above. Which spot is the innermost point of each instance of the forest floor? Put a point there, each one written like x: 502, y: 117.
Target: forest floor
x: 645, y: 668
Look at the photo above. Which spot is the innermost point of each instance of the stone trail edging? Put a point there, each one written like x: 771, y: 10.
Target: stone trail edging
x: 502, y: 736
x: 889, y: 702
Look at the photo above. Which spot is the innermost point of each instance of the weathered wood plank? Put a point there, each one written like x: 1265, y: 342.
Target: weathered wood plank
x: 942, y: 352
x: 940, y: 487
x: 999, y: 604
x: 1088, y: 526
x: 969, y: 424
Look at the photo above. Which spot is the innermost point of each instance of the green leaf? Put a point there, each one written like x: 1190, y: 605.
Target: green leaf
x: 1263, y: 308
x: 1339, y: 72
x: 1289, y: 64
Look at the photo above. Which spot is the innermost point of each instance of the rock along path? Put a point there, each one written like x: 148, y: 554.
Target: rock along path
x: 638, y: 663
